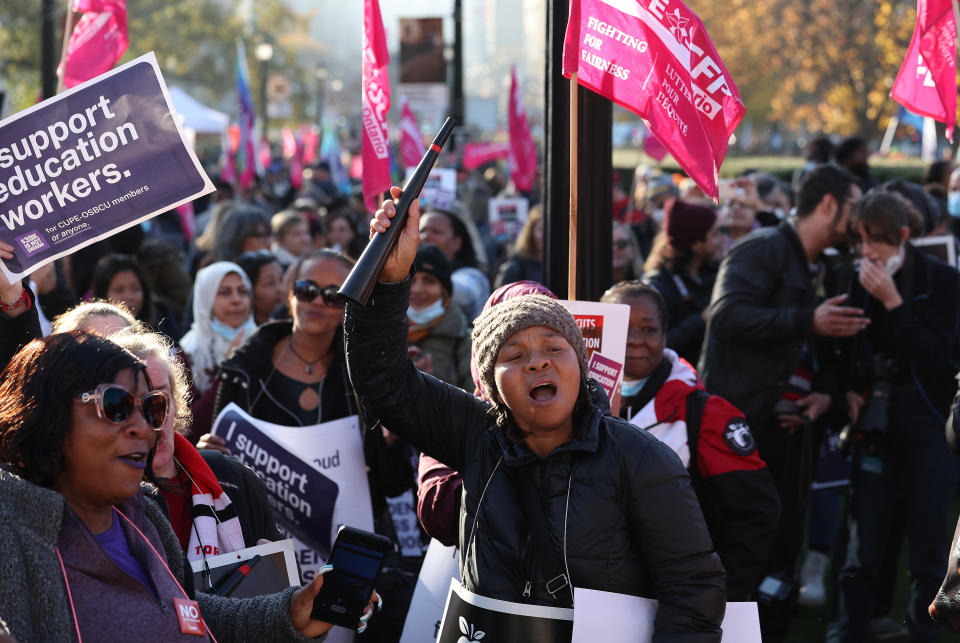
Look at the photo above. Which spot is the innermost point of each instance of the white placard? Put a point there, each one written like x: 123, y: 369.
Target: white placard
x: 440, y: 190
x: 507, y: 216
x: 621, y: 618
x: 430, y: 595
x: 604, y: 328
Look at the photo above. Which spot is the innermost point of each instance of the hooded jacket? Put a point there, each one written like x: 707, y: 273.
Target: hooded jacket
x: 618, y: 505
x: 734, y: 486
x: 34, y: 605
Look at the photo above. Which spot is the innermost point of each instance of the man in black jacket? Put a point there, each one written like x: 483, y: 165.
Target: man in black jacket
x: 759, y: 350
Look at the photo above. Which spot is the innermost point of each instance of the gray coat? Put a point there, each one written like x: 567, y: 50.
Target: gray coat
x: 33, y: 597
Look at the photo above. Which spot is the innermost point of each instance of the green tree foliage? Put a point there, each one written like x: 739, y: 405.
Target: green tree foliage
x: 194, y: 41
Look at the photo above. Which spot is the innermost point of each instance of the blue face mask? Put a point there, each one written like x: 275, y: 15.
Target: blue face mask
x: 225, y: 331
x: 426, y: 315
x: 953, y: 204
x: 631, y: 388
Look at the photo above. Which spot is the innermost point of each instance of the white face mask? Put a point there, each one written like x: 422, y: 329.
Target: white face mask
x: 953, y: 204
x: 632, y: 387
x: 426, y: 315
x: 658, y: 215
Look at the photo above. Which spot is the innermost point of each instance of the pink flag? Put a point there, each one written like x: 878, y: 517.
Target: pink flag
x: 523, y: 151
x: 653, y: 147
x: 311, y: 143
x: 376, y: 104
x: 265, y: 155
x: 411, y: 142
x: 476, y: 154
x: 97, y: 42
x: 656, y: 60
x: 926, y: 84
x: 289, y: 142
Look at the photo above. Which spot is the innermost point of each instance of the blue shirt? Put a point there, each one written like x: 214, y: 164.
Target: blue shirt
x: 114, y: 543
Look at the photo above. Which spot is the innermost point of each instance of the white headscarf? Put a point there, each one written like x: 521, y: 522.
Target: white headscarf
x: 203, y: 344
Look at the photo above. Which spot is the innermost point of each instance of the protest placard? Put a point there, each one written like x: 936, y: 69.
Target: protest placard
x: 604, y: 328
x: 90, y: 162
x: 440, y: 190
x: 621, y: 618
x: 315, y: 476
x: 430, y: 595
x: 507, y: 216
x: 275, y: 571
x: 470, y: 617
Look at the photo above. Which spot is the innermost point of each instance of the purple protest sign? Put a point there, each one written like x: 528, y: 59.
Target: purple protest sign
x: 91, y: 162
x: 606, y: 371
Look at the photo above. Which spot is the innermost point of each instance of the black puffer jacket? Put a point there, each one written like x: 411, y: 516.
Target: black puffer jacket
x: 618, y: 503
x: 761, y: 315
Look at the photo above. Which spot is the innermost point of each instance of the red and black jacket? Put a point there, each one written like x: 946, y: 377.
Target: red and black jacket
x: 734, y: 486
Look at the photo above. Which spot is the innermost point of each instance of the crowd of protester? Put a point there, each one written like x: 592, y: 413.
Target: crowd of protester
x: 789, y: 375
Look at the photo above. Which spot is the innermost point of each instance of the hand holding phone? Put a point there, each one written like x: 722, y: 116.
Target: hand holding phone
x: 356, y: 559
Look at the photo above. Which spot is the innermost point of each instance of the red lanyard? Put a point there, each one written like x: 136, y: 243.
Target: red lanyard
x: 73, y: 609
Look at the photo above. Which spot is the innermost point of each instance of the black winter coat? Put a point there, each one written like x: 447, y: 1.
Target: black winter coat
x: 761, y: 316
x: 685, y: 324
x: 618, y: 504
x: 922, y: 336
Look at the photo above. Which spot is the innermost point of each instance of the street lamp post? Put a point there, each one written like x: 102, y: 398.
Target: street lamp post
x: 264, y: 53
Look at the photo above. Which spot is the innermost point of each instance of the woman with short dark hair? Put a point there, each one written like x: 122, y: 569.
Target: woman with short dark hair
x: 78, y: 423
x: 120, y: 278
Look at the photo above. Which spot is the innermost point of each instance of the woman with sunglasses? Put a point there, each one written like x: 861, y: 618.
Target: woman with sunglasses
x: 222, y: 319
x: 86, y: 548
x: 294, y: 373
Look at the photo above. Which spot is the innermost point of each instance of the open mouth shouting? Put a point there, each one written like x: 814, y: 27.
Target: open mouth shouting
x: 543, y: 392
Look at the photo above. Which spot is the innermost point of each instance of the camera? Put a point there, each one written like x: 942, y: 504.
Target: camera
x: 871, y: 426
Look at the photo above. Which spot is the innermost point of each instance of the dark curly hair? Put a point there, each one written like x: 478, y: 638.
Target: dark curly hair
x: 37, y: 388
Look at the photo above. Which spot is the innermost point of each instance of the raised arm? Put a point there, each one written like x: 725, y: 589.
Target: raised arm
x: 436, y: 418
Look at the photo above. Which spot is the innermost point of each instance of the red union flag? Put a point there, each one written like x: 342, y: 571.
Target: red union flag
x: 926, y: 84
x: 476, y: 154
x: 97, y: 42
x: 411, y: 142
x: 523, y: 151
x: 654, y: 58
x: 376, y: 104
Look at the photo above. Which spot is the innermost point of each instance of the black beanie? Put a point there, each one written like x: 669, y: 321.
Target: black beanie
x: 431, y: 260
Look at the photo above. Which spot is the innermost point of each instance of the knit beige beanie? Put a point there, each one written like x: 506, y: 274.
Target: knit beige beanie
x: 497, y: 324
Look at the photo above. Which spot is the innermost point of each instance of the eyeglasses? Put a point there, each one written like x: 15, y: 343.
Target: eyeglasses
x: 621, y: 244
x: 307, y: 290
x: 115, y: 404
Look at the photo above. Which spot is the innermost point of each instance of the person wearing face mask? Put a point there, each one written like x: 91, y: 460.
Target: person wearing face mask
x: 682, y: 267
x: 663, y: 394
x: 221, y: 318
x: 900, y: 388
x: 437, y: 327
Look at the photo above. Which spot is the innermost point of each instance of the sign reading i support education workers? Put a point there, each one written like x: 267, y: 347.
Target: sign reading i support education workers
x: 92, y: 161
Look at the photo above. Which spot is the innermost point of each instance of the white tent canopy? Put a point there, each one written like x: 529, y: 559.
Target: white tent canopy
x: 197, y: 116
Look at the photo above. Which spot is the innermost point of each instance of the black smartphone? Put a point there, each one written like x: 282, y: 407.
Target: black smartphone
x: 357, y: 557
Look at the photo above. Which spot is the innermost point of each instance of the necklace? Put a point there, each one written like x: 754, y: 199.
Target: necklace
x: 308, y: 365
